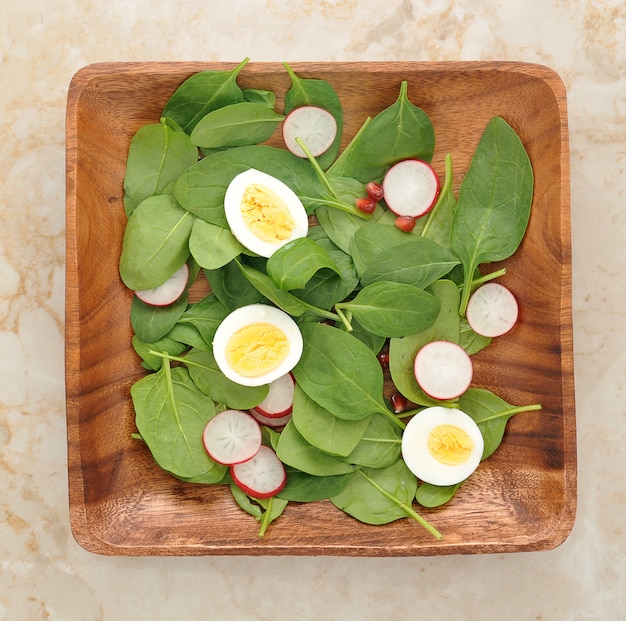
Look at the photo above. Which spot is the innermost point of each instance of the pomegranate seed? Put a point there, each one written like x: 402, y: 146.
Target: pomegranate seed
x: 405, y: 223
x: 383, y: 358
x: 366, y: 205
x: 374, y: 191
x: 398, y: 402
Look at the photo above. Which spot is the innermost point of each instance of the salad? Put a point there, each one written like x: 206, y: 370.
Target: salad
x: 333, y: 273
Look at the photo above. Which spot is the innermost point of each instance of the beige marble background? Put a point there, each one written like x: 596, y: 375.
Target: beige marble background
x: 44, y: 574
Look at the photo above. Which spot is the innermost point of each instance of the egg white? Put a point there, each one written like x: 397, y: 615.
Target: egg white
x: 421, y: 462
x: 238, y: 227
x: 257, y: 313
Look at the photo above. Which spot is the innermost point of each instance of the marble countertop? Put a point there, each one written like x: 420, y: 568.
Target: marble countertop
x: 44, y: 573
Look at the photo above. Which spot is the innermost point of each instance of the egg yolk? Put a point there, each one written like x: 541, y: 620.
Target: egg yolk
x: 450, y: 445
x: 256, y: 349
x: 266, y: 214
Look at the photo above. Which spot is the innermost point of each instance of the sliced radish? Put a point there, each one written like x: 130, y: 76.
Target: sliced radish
x: 232, y: 437
x: 279, y: 400
x: 275, y: 422
x: 492, y: 310
x: 169, y: 291
x: 316, y: 128
x: 443, y: 369
x: 262, y: 476
x: 411, y: 188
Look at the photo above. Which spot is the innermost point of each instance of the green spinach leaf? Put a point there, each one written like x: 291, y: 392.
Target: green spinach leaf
x: 494, y: 202
x: 171, y: 414
x: 392, y: 309
x: 400, y: 131
x: 156, y: 242
x: 236, y: 125
x: 201, y: 93
x: 158, y: 155
x: 320, y: 93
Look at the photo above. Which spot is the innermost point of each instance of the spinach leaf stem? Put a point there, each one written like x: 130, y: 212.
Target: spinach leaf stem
x: 510, y: 412
x: 447, y: 184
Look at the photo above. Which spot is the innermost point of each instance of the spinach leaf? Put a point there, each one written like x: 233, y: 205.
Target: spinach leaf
x: 429, y: 495
x: 295, y: 263
x: 155, y: 242
x: 320, y: 93
x: 171, y: 414
x: 371, y: 239
x: 303, y: 487
x: 158, y: 155
x: 418, y: 262
x: 201, y: 188
x: 471, y: 342
x: 324, y: 430
x: 340, y: 373
x: 295, y: 451
x: 212, y: 246
x: 494, y: 201
x: 392, y: 309
x: 231, y: 287
x: 206, y: 375
x: 380, y: 446
x: 378, y: 495
x: 151, y: 323
x: 491, y: 414
x: 400, y: 131
x: 201, y: 93
x: 145, y: 351
x: 236, y: 125
x: 259, y: 95
x: 327, y: 287
x: 205, y: 315
x: 402, y: 351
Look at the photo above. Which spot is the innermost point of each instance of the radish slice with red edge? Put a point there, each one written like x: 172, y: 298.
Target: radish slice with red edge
x: 279, y: 400
x: 232, y: 437
x: 492, y: 310
x: 315, y: 126
x: 443, y: 370
x: 262, y: 476
x: 410, y: 188
x: 169, y: 291
x: 275, y: 422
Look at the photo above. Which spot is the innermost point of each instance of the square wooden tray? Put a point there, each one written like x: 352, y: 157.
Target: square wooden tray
x: 522, y: 498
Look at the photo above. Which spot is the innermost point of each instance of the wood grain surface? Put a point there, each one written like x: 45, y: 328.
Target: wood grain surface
x: 522, y: 498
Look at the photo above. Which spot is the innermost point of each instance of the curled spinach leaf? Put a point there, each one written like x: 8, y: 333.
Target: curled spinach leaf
x: 295, y: 263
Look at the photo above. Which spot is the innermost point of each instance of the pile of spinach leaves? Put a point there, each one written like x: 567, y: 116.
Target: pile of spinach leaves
x: 356, y: 285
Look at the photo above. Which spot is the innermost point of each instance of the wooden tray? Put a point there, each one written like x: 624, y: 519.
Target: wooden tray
x: 522, y: 498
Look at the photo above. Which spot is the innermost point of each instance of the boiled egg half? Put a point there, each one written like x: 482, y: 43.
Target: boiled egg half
x: 263, y: 213
x: 256, y: 344
x: 442, y: 446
